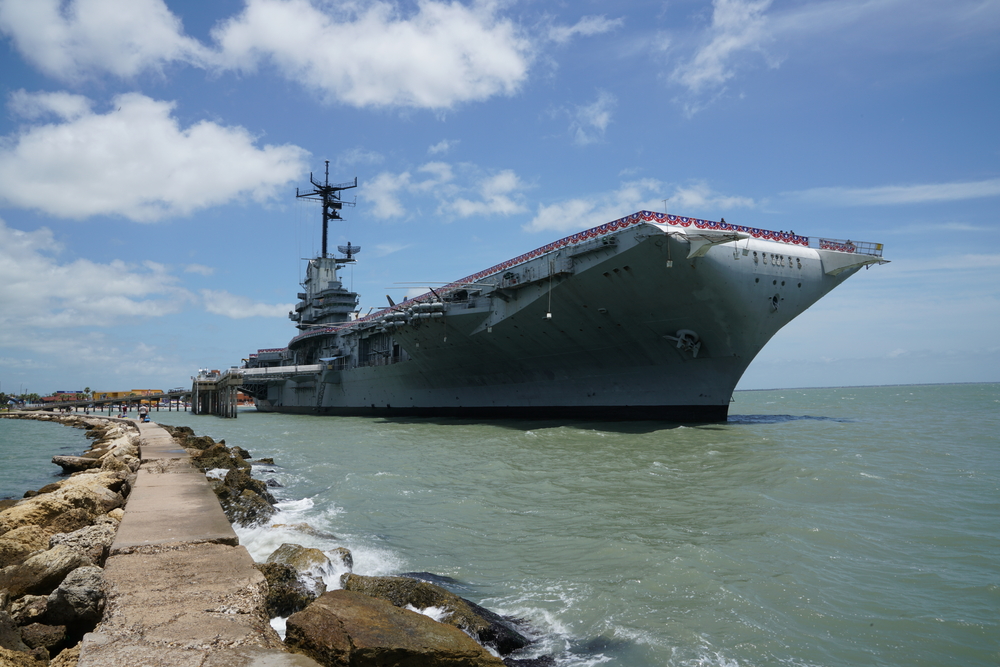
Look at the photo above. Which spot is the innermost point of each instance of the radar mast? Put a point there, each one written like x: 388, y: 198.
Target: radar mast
x: 329, y: 194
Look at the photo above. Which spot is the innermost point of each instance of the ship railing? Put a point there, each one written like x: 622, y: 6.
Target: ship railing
x: 860, y: 247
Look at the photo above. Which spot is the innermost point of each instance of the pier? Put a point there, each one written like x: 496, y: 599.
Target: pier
x: 214, y: 393
x: 175, y: 400
x: 181, y: 591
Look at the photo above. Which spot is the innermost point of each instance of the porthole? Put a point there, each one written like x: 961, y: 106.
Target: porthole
x: 774, y: 282
x: 756, y: 280
x: 782, y: 283
x: 800, y: 284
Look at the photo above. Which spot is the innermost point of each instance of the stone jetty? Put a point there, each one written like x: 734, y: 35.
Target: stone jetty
x: 163, y: 581
x: 180, y: 589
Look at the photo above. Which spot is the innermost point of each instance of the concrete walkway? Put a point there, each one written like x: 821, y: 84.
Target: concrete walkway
x: 181, y: 592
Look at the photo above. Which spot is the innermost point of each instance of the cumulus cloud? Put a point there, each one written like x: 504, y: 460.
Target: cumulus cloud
x: 372, y: 55
x: 461, y: 191
x: 643, y: 194
x: 221, y: 302
x: 699, y: 199
x: 589, y: 121
x: 890, y: 195
x: 39, y: 292
x: 737, y: 26
x: 79, y: 38
x: 135, y: 161
x: 498, y: 195
x: 586, y: 27
x: 60, y: 104
x: 576, y: 214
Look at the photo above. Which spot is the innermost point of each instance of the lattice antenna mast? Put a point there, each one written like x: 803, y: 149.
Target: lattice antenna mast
x: 330, y: 196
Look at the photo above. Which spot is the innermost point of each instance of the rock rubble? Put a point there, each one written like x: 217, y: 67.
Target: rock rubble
x: 54, y: 542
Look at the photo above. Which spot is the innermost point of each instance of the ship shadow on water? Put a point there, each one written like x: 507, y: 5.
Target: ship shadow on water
x: 638, y: 427
x: 741, y: 420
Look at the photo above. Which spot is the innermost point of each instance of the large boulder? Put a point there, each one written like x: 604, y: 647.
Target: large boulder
x: 18, y: 544
x: 245, y: 500
x: 33, y: 537
x: 310, y: 564
x: 347, y: 629
x: 50, y: 637
x: 71, y: 520
x: 42, y: 572
x: 218, y: 456
x: 78, y: 601
x: 76, y: 463
x: 93, y: 541
x: 95, y: 498
x: 10, y: 636
x: 286, y: 593
x: 488, y: 628
x: 38, y: 511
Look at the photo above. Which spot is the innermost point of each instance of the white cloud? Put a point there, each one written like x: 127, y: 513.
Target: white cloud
x: 63, y: 105
x: 586, y: 26
x: 891, y: 195
x: 499, y: 195
x: 699, y: 199
x: 442, y: 146
x: 469, y: 192
x: 39, y: 293
x: 737, y: 26
x: 632, y: 196
x: 372, y: 55
x: 221, y: 302
x: 135, y: 161
x: 589, y: 121
x: 68, y: 40
x: 200, y: 269
x: 577, y: 214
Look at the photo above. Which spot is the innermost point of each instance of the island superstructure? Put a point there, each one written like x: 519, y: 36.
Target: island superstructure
x: 651, y: 316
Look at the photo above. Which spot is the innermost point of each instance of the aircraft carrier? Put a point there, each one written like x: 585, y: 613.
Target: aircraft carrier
x: 651, y: 316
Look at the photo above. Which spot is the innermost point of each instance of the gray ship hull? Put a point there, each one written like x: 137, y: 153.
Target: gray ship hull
x: 645, y: 320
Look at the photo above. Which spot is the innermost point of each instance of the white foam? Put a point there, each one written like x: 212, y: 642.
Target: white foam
x: 439, y: 614
x: 279, y: 623
x: 216, y: 473
x: 301, y: 505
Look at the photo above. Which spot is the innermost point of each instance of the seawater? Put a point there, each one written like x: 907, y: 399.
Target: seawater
x: 27, y: 448
x: 828, y: 527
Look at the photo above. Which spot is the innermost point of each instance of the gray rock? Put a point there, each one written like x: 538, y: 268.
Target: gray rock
x: 42, y: 572
x: 78, y: 601
x: 93, y: 541
x: 10, y: 637
x: 50, y: 637
x: 28, y: 609
x: 286, y: 594
x: 342, y: 629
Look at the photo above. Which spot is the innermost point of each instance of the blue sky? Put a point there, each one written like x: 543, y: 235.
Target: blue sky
x: 150, y: 151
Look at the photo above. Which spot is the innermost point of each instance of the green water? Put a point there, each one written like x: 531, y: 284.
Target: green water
x: 817, y: 527
x: 27, y: 448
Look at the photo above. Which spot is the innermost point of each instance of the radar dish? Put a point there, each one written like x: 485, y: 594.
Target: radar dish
x: 349, y: 249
